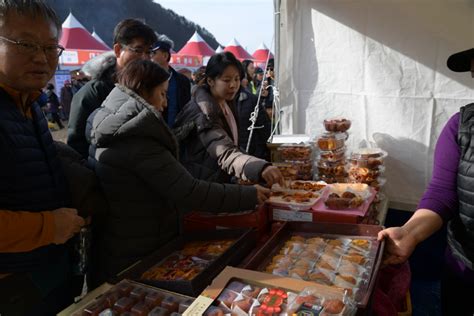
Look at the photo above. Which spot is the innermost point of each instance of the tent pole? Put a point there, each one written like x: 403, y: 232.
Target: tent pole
x: 276, y: 114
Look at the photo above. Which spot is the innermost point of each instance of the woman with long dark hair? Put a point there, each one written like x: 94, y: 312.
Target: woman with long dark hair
x: 135, y: 158
x: 249, y: 69
x: 208, y: 132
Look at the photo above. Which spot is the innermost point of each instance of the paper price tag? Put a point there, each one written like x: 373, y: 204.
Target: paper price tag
x: 199, y: 306
x: 291, y: 216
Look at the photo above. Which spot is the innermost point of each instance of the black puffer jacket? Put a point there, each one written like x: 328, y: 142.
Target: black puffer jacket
x: 89, y: 98
x: 207, y: 147
x: 245, y: 105
x: 147, y: 188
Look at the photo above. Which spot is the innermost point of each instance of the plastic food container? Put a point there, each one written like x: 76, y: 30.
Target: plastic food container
x: 332, y: 179
x: 311, y: 301
x: 295, y: 151
x: 331, y: 141
x: 333, y: 155
x: 337, y: 124
x: 241, y: 297
x: 370, y: 153
x: 365, y: 174
x: 288, y: 171
x: 131, y: 298
x: 377, y: 184
x: 368, y: 157
x: 304, y: 168
x: 346, y: 196
x: 313, y: 186
x: 341, y: 255
x: 293, y: 199
x: 332, y: 169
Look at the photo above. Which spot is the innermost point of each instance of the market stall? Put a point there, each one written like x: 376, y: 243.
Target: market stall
x: 319, y: 229
x: 296, y: 257
x: 311, y: 249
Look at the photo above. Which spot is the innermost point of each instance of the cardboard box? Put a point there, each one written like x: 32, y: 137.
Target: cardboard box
x: 207, y: 297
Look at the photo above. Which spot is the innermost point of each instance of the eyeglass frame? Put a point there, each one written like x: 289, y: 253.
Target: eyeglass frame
x: 150, y: 52
x: 59, y: 49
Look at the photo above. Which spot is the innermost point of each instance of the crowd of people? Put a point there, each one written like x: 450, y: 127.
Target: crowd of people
x: 146, y: 145
x: 123, y: 172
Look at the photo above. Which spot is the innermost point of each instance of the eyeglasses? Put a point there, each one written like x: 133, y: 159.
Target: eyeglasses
x: 29, y: 48
x: 139, y: 50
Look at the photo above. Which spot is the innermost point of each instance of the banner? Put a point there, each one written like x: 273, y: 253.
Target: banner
x: 78, y: 57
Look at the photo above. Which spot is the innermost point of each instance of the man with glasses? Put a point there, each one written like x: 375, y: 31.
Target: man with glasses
x: 132, y: 40
x: 35, y: 223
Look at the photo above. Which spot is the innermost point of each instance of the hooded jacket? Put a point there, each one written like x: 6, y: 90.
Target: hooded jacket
x: 147, y: 188
x: 207, y: 146
x: 102, y: 70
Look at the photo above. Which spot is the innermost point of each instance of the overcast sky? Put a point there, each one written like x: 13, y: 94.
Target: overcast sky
x: 249, y: 21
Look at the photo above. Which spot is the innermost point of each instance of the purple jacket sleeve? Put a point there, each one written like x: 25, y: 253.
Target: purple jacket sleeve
x: 441, y: 195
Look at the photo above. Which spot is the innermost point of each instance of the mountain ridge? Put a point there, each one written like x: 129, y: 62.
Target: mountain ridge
x: 98, y: 15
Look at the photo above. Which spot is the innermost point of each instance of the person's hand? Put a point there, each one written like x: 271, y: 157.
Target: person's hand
x: 66, y: 224
x: 272, y: 175
x: 399, y: 244
x: 262, y: 194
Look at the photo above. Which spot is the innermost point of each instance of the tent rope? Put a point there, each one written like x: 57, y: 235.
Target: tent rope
x: 254, y: 115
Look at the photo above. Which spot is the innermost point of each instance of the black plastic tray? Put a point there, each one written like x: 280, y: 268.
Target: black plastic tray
x: 245, y: 240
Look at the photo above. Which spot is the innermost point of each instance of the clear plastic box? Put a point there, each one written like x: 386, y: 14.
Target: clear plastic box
x: 337, y: 124
x: 333, y: 155
x: 365, y: 174
x: 331, y: 141
x: 295, y: 151
x: 332, y: 169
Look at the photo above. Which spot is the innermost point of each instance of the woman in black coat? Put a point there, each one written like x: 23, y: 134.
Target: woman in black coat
x: 135, y: 158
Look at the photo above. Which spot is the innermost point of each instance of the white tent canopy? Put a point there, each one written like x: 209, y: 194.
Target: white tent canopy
x: 383, y: 65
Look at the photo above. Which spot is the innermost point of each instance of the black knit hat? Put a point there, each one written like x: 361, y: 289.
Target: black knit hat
x: 461, y: 62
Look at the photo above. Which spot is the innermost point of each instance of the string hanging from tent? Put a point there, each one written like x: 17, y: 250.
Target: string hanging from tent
x: 254, y: 115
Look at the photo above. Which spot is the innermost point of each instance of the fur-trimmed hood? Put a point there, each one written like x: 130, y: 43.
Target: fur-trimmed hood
x: 101, y: 67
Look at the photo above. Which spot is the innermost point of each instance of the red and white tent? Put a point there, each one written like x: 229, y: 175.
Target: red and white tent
x: 196, y: 46
x: 239, y: 52
x: 260, y: 55
x: 194, y: 54
x: 79, y: 43
x: 219, y: 49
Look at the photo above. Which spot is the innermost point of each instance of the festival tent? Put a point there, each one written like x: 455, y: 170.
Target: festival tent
x: 239, y: 52
x: 194, y: 53
x: 196, y: 46
x: 381, y: 64
x: 97, y: 37
x: 219, y: 49
x: 79, y: 43
x: 260, y: 55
